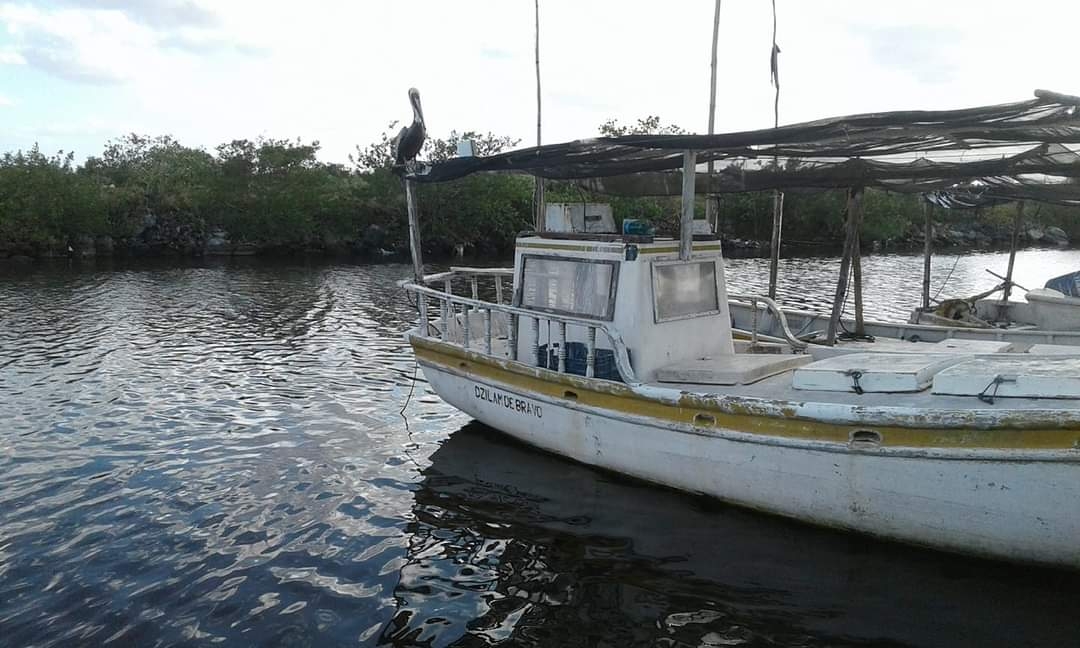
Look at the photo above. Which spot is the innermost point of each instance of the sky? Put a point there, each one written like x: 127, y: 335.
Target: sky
x: 76, y: 73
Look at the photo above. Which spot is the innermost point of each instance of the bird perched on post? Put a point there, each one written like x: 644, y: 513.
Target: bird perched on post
x: 410, y: 140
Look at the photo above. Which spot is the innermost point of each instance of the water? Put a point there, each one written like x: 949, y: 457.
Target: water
x: 213, y: 455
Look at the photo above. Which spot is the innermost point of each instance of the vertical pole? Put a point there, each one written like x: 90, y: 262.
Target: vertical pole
x: 774, y: 243
x: 1019, y: 216
x: 856, y: 267
x: 710, y: 201
x: 778, y: 196
x: 513, y: 337
x: 686, y: 223
x: 928, y: 242
x: 845, y: 267
x: 562, y: 347
x: 538, y: 197
x: 417, y: 253
x: 487, y: 331
x: 590, y: 357
x: 536, y: 343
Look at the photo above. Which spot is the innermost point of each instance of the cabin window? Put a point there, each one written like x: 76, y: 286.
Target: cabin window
x: 569, y: 286
x: 682, y: 290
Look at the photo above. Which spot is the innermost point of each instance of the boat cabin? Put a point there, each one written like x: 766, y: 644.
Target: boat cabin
x: 666, y: 310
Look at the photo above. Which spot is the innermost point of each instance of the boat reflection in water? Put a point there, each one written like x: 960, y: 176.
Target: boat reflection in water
x: 512, y: 543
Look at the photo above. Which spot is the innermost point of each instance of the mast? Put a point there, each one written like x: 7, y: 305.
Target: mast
x: 538, y: 197
x: 778, y: 196
x: 711, y: 201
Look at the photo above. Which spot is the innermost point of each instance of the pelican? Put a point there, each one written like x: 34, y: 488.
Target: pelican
x: 408, y: 142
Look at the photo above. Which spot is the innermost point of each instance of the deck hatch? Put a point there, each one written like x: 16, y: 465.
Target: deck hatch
x: 874, y: 372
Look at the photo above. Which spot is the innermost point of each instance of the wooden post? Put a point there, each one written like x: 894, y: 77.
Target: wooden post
x: 417, y: 253
x: 538, y: 196
x: 928, y: 242
x: 856, y: 267
x: 1017, y: 218
x: 854, y: 196
x: 686, y: 223
x: 711, y: 206
x: 774, y: 243
x: 778, y: 196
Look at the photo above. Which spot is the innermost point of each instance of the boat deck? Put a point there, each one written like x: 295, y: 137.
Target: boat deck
x: 779, y: 388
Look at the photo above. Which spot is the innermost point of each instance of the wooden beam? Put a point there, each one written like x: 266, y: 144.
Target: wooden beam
x: 854, y: 208
x: 686, y: 223
x: 928, y: 242
x: 711, y: 203
x: 856, y: 266
x: 538, y: 195
x: 1017, y: 219
x: 774, y: 243
x: 416, y: 252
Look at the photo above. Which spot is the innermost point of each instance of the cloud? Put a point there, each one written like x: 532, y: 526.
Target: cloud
x: 496, y: 53
x: 164, y: 15
x: 208, y: 71
x: 105, y: 42
x: 11, y: 57
x: 923, y: 51
x: 5, y: 102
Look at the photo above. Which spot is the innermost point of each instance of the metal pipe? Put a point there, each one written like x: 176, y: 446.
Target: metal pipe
x: 536, y: 342
x: 487, y: 331
x: 465, y: 324
x: 590, y: 356
x: 562, y: 347
x: 513, y: 336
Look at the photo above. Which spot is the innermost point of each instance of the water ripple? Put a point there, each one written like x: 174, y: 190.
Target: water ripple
x: 213, y: 454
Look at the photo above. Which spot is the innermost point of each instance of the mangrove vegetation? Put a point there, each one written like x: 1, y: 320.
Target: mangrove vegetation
x: 156, y: 196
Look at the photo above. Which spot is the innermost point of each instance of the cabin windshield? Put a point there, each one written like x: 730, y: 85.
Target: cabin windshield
x: 584, y: 288
x: 682, y: 290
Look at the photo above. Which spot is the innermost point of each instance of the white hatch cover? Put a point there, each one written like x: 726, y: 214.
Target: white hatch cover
x: 1054, y: 349
x: 738, y: 369
x: 1014, y: 375
x: 960, y: 345
x: 874, y: 372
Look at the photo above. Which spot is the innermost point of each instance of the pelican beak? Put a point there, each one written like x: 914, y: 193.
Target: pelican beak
x: 414, y: 98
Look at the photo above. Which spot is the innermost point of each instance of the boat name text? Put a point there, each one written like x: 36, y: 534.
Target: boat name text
x: 509, y: 401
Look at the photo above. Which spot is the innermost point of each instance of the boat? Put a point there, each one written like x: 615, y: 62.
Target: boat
x: 619, y: 351
x: 619, y: 355
x: 878, y: 334
x: 1054, y: 307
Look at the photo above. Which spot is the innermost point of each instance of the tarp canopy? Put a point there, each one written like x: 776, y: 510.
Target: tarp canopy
x: 967, y: 157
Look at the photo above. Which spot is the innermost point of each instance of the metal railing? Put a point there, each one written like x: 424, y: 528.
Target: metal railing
x: 472, y: 307
x: 797, y: 345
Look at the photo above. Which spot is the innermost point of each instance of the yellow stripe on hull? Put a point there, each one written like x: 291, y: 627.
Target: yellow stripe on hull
x: 703, y: 412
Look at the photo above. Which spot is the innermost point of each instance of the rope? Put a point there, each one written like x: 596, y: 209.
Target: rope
x: 854, y: 374
x: 947, y: 277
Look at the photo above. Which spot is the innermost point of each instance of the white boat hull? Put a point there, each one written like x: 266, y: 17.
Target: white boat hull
x: 965, y: 501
